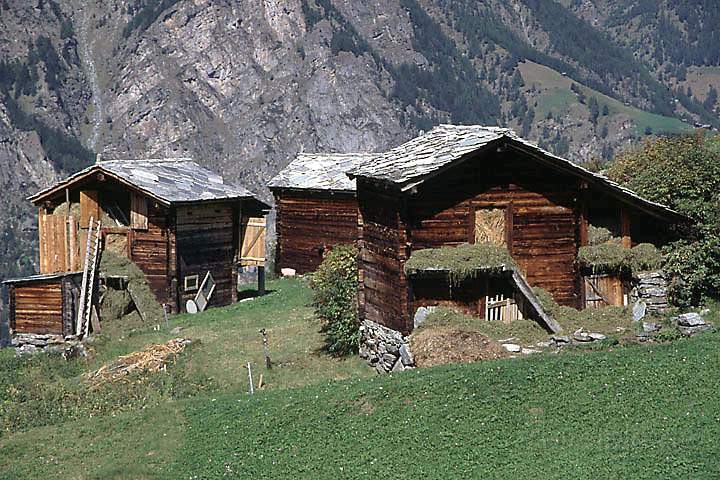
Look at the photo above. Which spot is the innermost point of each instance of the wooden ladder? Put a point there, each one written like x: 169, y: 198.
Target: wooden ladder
x: 92, y: 248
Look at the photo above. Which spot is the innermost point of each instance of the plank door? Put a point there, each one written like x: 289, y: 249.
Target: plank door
x: 54, y: 255
x: 490, y: 226
x: 603, y: 290
x: 89, y: 207
x: 252, y: 238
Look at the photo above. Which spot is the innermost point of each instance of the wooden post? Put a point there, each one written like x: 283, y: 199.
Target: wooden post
x: 625, y: 228
x: 583, y: 215
x: 261, y: 280
x: 266, y: 349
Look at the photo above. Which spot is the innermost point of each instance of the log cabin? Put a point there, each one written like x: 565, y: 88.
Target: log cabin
x: 316, y: 208
x: 179, y: 222
x: 460, y: 185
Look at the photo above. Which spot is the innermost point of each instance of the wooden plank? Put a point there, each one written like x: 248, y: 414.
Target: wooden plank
x: 138, y: 211
x: 89, y: 207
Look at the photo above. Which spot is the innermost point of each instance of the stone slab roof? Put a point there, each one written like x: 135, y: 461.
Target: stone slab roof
x: 313, y: 171
x: 176, y: 180
x: 421, y: 158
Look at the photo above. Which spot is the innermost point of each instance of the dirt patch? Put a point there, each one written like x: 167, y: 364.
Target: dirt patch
x: 441, y: 346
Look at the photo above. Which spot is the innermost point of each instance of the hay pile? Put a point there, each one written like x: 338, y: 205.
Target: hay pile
x: 116, y: 304
x: 611, y: 257
x: 153, y: 359
x: 461, y: 262
x: 446, y: 345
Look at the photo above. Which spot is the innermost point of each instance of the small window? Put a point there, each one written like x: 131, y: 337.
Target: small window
x: 191, y: 283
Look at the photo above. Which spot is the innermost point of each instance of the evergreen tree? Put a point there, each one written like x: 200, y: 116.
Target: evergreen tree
x: 594, y: 109
x: 711, y: 99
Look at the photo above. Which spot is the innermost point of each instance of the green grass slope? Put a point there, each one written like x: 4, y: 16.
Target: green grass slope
x: 556, y: 97
x: 634, y: 412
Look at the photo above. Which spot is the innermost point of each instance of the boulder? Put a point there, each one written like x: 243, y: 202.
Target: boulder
x: 690, y: 331
x: 639, y: 310
x: 406, y: 356
x: 597, y: 337
x: 398, y: 367
x: 287, y: 272
x: 560, y: 339
x: 691, y: 319
x: 421, y: 315
x: 649, y: 327
x: 512, y: 347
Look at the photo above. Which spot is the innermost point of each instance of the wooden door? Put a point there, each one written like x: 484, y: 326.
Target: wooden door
x: 89, y: 207
x: 54, y: 255
x: 490, y: 226
x: 603, y: 290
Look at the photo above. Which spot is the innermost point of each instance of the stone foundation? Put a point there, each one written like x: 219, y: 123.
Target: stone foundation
x: 652, y: 289
x: 29, y: 343
x: 385, y: 350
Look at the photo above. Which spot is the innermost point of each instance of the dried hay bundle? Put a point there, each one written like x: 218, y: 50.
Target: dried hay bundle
x: 443, y: 345
x: 461, y: 262
x: 614, y: 258
x: 153, y: 359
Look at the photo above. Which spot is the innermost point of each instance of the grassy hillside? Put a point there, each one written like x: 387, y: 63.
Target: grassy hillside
x: 555, y: 97
x: 633, y: 412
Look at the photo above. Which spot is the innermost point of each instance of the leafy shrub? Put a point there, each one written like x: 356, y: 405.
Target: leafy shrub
x: 335, y: 286
x: 684, y: 173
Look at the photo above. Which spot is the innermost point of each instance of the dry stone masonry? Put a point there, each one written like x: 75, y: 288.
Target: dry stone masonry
x: 30, y: 343
x: 651, y: 290
x: 385, y: 349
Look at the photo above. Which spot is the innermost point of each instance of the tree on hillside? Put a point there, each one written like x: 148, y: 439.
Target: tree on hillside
x: 711, y: 99
x: 684, y: 173
x: 594, y: 110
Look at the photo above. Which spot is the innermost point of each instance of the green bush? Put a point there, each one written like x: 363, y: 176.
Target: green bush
x: 684, y: 173
x: 335, y: 285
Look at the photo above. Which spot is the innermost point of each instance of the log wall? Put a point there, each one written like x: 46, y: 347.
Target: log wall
x: 542, y: 221
x: 150, y: 250
x: 310, y: 222
x: 44, y: 306
x: 385, y: 294
x: 204, y: 236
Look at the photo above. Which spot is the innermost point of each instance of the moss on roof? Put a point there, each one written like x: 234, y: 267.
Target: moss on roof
x: 461, y: 262
x: 614, y: 258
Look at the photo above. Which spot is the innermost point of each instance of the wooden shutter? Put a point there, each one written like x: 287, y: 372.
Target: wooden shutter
x: 89, y: 207
x: 490, y: 226
x: 252, y: 248
x: 138, y: 212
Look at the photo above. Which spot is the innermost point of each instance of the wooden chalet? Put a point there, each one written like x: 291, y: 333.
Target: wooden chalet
x: 316, y: 208
x: 182, y: 224
x: 469, y: 184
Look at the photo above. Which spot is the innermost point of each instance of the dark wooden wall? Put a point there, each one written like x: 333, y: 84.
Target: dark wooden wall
x: 206, y: 242
x: 384, y: 296
x: 150, y: 250
x: 308, y: 223
x: 542, y: 224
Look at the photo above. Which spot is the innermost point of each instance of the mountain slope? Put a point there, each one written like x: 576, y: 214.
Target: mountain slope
x: 244, y: 86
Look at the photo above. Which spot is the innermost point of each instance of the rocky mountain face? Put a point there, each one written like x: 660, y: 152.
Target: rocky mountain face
x: 243, y: 86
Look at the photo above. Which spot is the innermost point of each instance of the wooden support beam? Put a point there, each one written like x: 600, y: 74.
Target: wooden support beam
x: 583, y: 215
x: 625, y: 228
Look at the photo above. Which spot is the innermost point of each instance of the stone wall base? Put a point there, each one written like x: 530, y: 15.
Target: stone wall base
x: 652, y: 289
x: 385, y: 349
x: 29, y: 343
